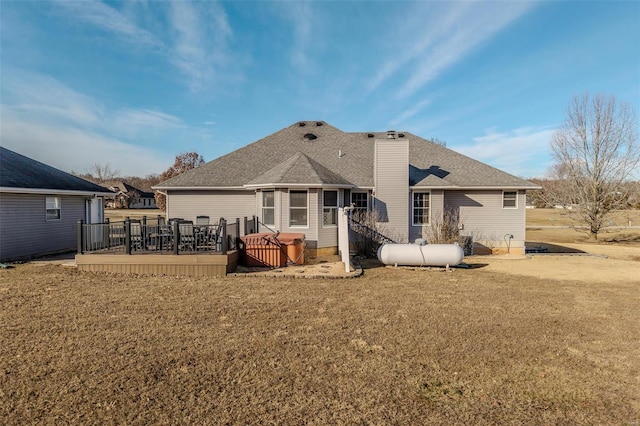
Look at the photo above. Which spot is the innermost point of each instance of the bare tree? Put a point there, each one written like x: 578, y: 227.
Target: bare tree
x: 438, y: 141
x: 596, y: 155
x: 184, y: 162
x: 368, y: 233
x: 444, y: 229
x: 101, y: 174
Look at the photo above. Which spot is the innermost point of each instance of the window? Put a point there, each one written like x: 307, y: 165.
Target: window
x: 53, y: 208
x: 421, y: 203
x: 509, y: 200
x: 330, y: 207
x: 268, y: 208
x: 360, y: 200
x: 298, y: 208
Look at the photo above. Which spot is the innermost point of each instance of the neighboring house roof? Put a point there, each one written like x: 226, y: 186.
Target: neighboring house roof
x: 124, y: 187
x: 314, y: 152
x: 23, y: 174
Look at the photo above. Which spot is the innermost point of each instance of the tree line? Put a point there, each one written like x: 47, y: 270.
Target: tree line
x: 104, y: 175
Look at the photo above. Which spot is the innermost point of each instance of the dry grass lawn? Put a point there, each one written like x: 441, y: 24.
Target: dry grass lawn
x: 396, y: 346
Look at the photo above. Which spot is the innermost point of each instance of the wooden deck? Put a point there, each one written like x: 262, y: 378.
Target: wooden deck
x: 160, y: 264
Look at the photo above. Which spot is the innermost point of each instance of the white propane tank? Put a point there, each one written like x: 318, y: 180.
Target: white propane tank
x: 416, y: 255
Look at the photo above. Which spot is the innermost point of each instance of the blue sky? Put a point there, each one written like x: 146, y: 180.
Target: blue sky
x: 133, y: 84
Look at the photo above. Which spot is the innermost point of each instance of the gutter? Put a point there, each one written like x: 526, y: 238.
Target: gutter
x: 476, y: 188
x: 48, y: 191
x: 296, y: 185
x: 197, y: 188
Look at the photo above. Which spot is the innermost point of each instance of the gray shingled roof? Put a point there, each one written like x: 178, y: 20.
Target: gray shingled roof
x: 348, y: 156
x: 122, y: 186
x: 20, y: 172
x: 300, y: 169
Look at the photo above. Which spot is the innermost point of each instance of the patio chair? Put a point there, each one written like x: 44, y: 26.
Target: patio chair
x: 136, y: 236
x: 187, y: 236
x: 202, y: 220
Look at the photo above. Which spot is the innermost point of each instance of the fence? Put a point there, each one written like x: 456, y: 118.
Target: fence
x: 177, y: 236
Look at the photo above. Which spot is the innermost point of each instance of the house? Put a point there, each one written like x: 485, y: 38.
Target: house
x: 296, y: 179
x: 40, y: 207
x: 130, y: 197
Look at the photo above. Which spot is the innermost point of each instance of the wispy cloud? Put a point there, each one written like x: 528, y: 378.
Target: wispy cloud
x: 195, y: 41
x: 41, y: 96
x: 523, y: 151
x: 300, y: 16
x: 46, y: 120
x: 146, y: 118
x: 74, y: 149
x: 109, y: 19
x: 441, y: 36
x: 412, y: 111
x: 200, y: 44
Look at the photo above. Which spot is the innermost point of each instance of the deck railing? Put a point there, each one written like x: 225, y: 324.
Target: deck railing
x: 177, y: 236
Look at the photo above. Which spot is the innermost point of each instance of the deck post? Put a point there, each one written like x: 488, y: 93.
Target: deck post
x: 223, y: 223
x: 106, y: 241
x: 127, y: 235
x: 246, y: 224
x: 176, y: 237
x: 80, y: 236
x: 237, y: 236
x: 255, y: 223
x: 143, y: 231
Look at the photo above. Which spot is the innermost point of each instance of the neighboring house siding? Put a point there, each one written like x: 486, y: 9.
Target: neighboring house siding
x: 215, y: 204
x: 144, y: 203
x: 25, y: 232
x: 392, y: 192
x: 484, y: 218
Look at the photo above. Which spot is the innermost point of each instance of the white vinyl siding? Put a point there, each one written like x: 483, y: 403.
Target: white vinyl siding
x: 509, y: 200
x: 421, y: 208
x: 330, y: 208
x: 392, y: 196
x: 298, y: 208
x: 230, y: 204
x: 53, y: 208
x: 484, y: 218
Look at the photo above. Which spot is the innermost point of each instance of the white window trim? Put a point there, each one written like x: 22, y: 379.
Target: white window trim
x: 272, y: 208
x: 510, y: 208
x: 46, y: 208
x: 335, y: 208
x: 428, y: 222
x: 299, y: 208
x: 368, y: 199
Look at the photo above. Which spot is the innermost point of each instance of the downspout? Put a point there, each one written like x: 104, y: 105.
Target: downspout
x: 166, y: 204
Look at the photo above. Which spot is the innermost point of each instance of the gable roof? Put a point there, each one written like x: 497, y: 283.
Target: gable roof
x: 348, y: 156
x: 23, y: 174
x: 299, y: 170
x: 124, y: 187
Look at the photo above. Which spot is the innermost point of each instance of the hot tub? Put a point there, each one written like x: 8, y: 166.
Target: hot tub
x: 273, y: 249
